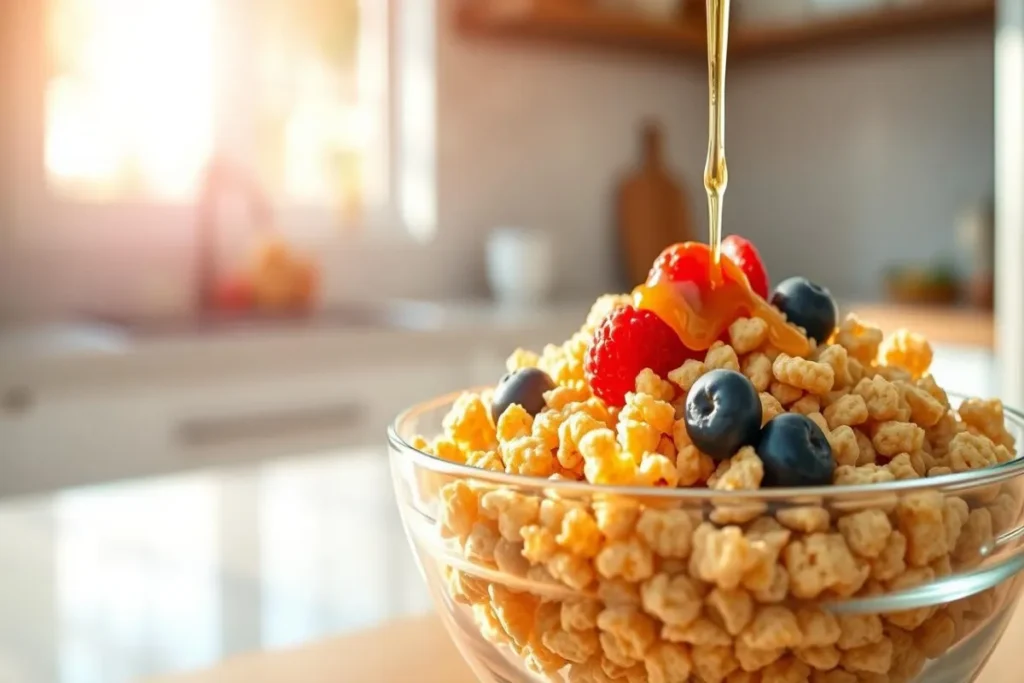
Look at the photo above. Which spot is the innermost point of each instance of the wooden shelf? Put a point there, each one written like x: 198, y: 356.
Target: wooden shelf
x: 570, y: 22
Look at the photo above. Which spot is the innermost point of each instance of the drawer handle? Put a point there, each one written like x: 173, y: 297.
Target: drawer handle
x: 217, y: 431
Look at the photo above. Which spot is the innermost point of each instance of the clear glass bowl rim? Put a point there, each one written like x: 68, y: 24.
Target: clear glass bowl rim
x: 947, y: 483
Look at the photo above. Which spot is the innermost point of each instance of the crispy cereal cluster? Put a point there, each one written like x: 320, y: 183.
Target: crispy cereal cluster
x: 630, y: 589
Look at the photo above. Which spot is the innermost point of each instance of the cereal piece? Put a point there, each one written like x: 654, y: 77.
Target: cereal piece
x: 468, y: 424
x: 892, y: 438
x: 721, y: 556
x: 509, y: 558
x: 942, y: 567
x: 540, y: 660
x: 515, y: 612
x: 881, y: 397
x: 580, y: 615
x: 874, y: 658
x: 579, y: 533
x: 668, y: 663
x: 446, y: 449
x: 528, y: 455
x: 838, y: 359
x: 971, y: 452
x: 806, y: 405
x: 936, y: 635
x: 539, y: 543
x: 700, y: 631
x: 618, y: 592
x: 460, y: 508
x: 786, y: 670
x: 907, y: 350
x: 465, y: 588
x: 626, y: 633
x: 942, y: 432
x: 734, y: 608
x: 822, y: 658
x: 770, y: 407
x: 546, y: 425
x: 645, y: 408
x: 604, y: 463
x: 485, y: 460
x: 692, y: 466
x: 754, y: 660
x: 857, y: 630
x: 850, y: 410
x: 712, y: 663
x: 514, y: 422
x: 820, y: 562
x: 570, y: 433
x: 860, y: 339
x: 563, y: 396
x: 1004, y: 510
x: 686, y: 374
x: 925, y: 409
x: 819, y: 420
x: 521, y: 359
x: 742, y: 676
x: 747, y: 334
x: 616, y: 517
x: 666, y: 532
x: 490, y: 628
x: 572, y: 570
x: 512, y: 510
x: 773, y: 627
x: 478, y: 547
x: 667, y: 447
x: 572, y: 646
x: 742, y: 471
x: 867, y: 455
x: 775, y: 590
x: 834, y: 676
x: 889, y: 563
x: 954, y: 515
x: 866, y: 532
x: 975, y: 535
x: 863, y: 474
x: 637, y: 438
x: 902, y: 467
x: 919, y: 518
x: 784, y: 393
x: 675, y: 600
x: 721, y: 357
x: 819, y: 628
x: 845, y: 448
x: 807, y: 519
x: 552, y: 511
x: 648, y: 382
x: 758, y: 369
x: 657, y: 470
x: 630, y: 559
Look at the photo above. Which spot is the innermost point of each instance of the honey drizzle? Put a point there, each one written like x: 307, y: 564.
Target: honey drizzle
x: 716, y: 171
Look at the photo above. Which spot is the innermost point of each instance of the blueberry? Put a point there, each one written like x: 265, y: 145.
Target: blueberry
x: 525, y: 387
x: 795, y: 452
x: 723, y: 413
x: 808, y: 305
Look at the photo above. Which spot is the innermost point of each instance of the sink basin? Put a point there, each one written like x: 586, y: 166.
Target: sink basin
x: 399, y: 315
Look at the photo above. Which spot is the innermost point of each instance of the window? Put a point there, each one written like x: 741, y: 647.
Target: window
x: 140, y: 95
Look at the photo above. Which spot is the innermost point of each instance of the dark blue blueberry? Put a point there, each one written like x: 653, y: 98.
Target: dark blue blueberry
x: 808, y: 305
x: 723, y: 413
x: 795, y: 452
x: 525, y: 387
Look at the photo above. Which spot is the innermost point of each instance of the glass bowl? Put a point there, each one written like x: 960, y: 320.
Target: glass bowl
x: 909, y: 580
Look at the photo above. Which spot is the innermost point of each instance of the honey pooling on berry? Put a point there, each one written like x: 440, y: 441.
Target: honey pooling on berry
x: 701, y: 312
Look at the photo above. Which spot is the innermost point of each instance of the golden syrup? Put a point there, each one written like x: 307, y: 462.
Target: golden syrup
x: 700, y: 315
x: 716, y: 171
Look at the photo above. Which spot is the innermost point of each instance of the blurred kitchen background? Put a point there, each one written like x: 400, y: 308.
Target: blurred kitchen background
x: 236, y: 234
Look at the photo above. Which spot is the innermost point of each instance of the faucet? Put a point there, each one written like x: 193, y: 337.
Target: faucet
x: 221, y: 177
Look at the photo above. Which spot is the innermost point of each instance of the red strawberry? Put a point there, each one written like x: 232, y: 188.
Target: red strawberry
x: 744, y: 254
x: 683, y: 262
x: 627, y: 341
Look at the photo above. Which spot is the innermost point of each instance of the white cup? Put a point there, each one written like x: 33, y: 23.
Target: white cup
x: 520, y: 265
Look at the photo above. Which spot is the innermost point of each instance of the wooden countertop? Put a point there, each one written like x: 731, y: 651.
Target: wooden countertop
x: 387, y: 655
x: 942, y: 325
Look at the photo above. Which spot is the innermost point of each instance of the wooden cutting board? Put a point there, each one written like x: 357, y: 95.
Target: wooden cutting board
x: 652, y: 209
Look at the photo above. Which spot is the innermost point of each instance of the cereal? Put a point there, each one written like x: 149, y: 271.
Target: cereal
x: 725, y: 587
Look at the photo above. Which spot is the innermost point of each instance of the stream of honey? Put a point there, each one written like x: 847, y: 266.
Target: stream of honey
x: 700, y: 312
